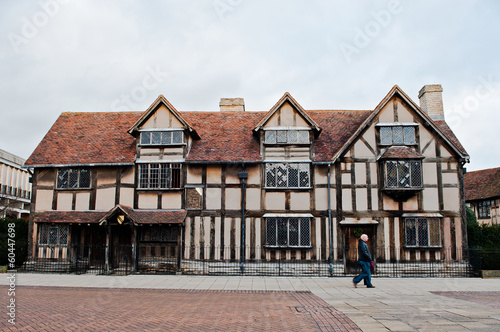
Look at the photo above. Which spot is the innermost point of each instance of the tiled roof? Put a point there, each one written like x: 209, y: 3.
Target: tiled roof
x: 72, y: 217
x: 150, y: 216
x: 102, y: 138
x: 87, y: 138
x: 482, y: 184
x: 451, y: 136
x: 225, y: 136
x: 337, y: 127
x: 401, y: 152
x: 93, y: 217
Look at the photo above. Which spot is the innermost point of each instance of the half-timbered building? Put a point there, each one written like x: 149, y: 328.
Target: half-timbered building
x: 163, y: 190
x: 482, y: 194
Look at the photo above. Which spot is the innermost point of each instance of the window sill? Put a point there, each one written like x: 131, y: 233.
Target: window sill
x: 422, y: 248
x: 287, y: 247
x: 161, y: 145
x: 159, y: 189
x: 73, y: 189
x: 286, y: 188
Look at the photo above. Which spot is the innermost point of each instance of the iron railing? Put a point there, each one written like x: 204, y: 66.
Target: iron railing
x: 165, y: 258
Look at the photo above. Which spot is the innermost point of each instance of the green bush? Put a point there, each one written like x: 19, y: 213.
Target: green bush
x: 20, y: 238
x: 482, y: 236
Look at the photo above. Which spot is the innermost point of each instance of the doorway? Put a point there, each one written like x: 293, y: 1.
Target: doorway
x: 121, y: 248
x: 351, y: 239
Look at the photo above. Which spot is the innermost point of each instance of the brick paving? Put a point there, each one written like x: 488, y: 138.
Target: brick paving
x: 491, y: 299
x: 112, y: 309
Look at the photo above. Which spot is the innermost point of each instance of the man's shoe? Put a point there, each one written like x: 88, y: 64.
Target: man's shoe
x: 355, y: 284
x: 370, y: 286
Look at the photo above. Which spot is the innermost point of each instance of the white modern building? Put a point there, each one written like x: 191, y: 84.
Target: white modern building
x: 15, y: 192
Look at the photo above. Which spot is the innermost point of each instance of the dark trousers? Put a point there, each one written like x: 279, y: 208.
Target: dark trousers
x: 365, y: 274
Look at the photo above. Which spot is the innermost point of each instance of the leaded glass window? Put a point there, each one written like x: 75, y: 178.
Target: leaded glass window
x: 288, y: 232
x: 403, y: 174
x: 397, y: 135
x: 287, y: 175
x: 162, y: 137
x: 158, y: 233
x: 423, y: 232
x: 286, y: 136
x: 484, y: 208
x: 53, y: 234
x: 73, y: 178
x: 160, y: 176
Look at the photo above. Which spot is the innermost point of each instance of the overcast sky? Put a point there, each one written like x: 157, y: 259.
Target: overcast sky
x: 58, y: 56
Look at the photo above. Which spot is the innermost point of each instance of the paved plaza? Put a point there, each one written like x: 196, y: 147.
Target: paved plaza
x: 199, y: 303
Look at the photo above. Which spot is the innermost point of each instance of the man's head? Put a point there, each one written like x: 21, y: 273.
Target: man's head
x: 364, y: 237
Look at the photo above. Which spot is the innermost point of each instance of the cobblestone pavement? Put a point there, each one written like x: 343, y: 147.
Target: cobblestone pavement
x: 396, y: 304
x: 108, y: 309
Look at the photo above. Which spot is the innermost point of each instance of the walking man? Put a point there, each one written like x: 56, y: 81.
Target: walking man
x: 364, y: 259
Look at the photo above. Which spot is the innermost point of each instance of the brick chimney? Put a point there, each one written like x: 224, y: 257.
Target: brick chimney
x: 431, y: 101
x: 232, y: 104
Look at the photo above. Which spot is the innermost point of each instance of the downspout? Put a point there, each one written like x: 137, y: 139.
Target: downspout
x: 463, y: 210
x: 330, y: 226
x: 243, y: 175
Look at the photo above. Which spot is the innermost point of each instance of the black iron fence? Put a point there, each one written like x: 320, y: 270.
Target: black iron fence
x: 165, y: 258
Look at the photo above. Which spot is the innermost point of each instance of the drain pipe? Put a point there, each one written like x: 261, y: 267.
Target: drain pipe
x: 243, y: 175
x: 330, y: 228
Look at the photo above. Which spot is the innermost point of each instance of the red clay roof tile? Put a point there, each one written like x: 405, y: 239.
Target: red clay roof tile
x: 102, y: 138
x: 482, y: 184
x: 87, y: 138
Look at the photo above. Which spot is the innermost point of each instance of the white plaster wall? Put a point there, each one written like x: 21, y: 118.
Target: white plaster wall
x: 82, y: 201
x: 43, y: 200
x: 253, y: 199
x: 171, y: 200
x: 213, y: 198
x: 299, y: 201
x: 451, y: 199
x: 105, y: 199
x: 148, y: 200
x: 233, y: 199
x: 275, y: 201
x: 214, y: 174
x: 64, y: 201
x: 127, y: 196
x: 194, y: 174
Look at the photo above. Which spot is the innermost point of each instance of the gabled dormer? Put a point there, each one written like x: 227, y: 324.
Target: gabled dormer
x: 287, y: 132
x: 163, y: 139
x: 162, y: 125
x: 286, y: 135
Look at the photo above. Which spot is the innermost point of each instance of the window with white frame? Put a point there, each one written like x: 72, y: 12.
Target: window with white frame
x: 286, y: 137
x: 162, y: 137
x: 288, y: 232
x: 484, y: 208
x: 288, y: 175
x: 423, y: 232
x: 50, y: 234
x: 160, y: 176
x: 73, y: 178
x: 397, y: 135
x: 403, y: 174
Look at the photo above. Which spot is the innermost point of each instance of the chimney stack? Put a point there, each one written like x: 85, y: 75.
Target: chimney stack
x: 232, y: 104
x: 431, y: 101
